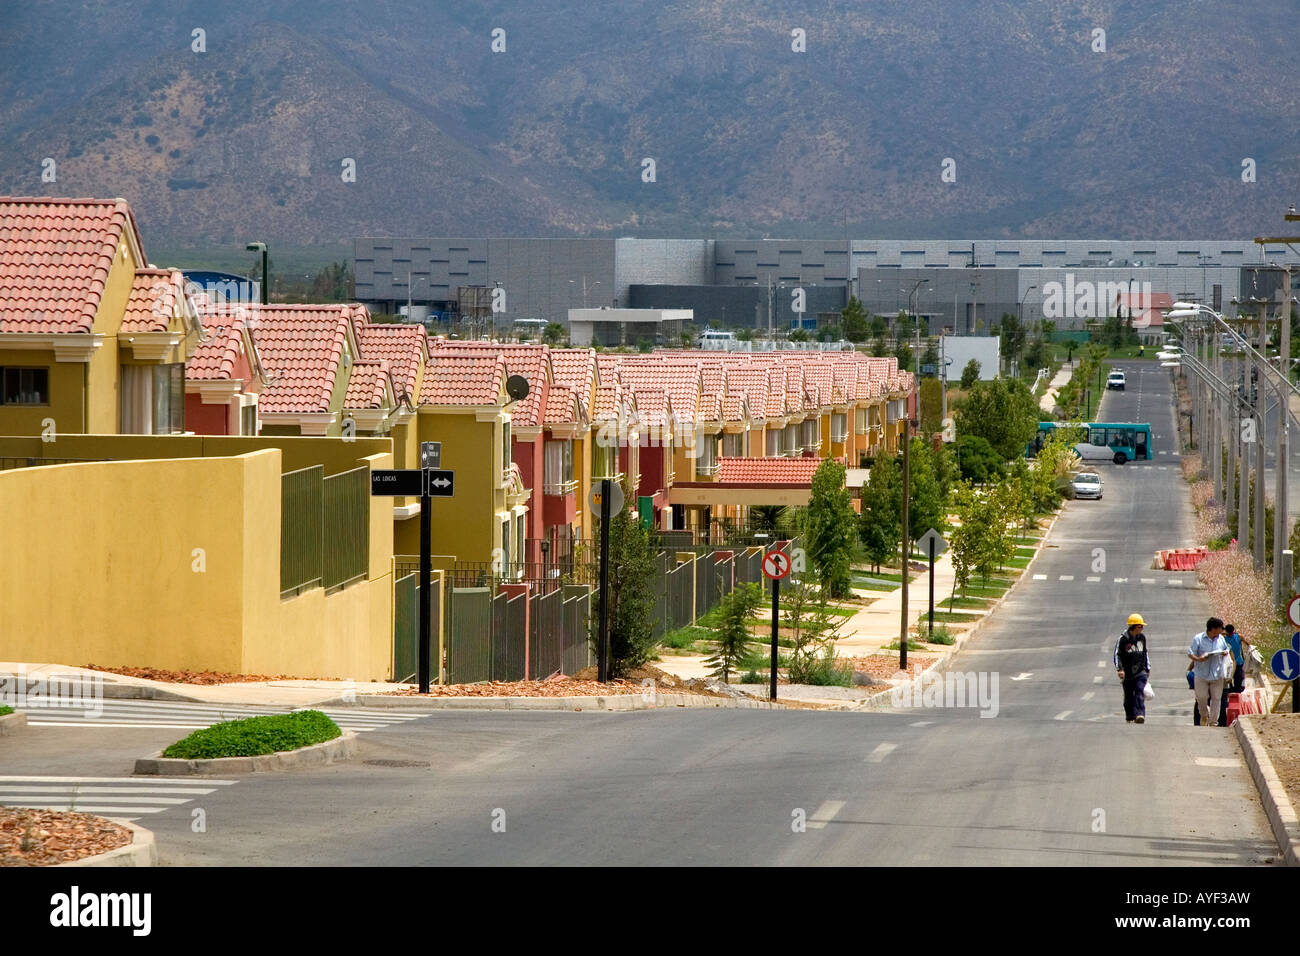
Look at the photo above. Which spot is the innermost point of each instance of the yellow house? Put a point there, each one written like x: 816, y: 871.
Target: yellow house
x: 92, y: 338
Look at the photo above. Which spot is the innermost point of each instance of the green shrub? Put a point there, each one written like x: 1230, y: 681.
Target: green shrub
x: 255, y: 736
x: 821, y: 670
x: 751, y: 677
x: 940, y: 635
x: 5, y: 711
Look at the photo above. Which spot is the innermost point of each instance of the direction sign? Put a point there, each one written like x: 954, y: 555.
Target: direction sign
x: 440, y: 484
x: 1293, y: 612
x: 401, y: 481
x: 430, y: 454
x: 615, y: 498
x: 1286, y: 664
x: 923, y: 543
x: 776, y: 565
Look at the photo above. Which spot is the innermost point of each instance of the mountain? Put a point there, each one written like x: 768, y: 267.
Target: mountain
x: 1049, y: 137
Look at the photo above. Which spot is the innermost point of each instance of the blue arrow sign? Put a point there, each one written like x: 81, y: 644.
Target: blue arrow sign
x: 1295, y: 642
x: 1286, y: 664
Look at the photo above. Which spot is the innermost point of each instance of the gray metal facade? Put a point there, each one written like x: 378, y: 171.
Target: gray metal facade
x: 544, y: 278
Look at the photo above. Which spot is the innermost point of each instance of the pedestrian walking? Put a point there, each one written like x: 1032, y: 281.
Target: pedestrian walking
x: 1133, y: 666
x: 1239, y: 644
x: 1211, y: 657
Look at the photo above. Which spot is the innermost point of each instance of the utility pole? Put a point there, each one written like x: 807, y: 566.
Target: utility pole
x: 1282, y: 463
x: 1256, y: 375
x: 907, y: 549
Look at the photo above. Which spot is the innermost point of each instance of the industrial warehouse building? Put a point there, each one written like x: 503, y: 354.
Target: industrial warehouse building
x: 969, y: 284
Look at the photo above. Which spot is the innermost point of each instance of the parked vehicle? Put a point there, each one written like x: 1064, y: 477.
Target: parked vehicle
x: 1087, y: 484
x: 1115, y: 380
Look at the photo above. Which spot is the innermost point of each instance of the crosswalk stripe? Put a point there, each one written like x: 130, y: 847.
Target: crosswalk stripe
x: 205, y: 782
x: 123, y: 714
x: 111, y: 796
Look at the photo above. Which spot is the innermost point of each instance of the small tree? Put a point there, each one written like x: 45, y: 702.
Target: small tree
x: 830, y: 522
x: 632, y: 579
x: 734, y: 640
x: 880, y: 525
x: 853, y: 317
x: 813, y: 629
x: 978, y: 461
x: 1002, y: 411
x: 553, y: 334
x: 925, y: 507
x: 970, y: 374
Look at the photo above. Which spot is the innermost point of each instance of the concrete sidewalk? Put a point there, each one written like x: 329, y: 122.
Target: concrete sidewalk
x: 287, y: 693
x: 877, y: 625
x: 1048, y: 401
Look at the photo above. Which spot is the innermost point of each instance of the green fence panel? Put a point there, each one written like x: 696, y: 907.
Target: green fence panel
x: 577, y: 630
x: 406, y: 621
x: 469, y: 636
x: 301, y: 529
x: 346, y: 499
x: 546, y: 638
x: 509, y: 636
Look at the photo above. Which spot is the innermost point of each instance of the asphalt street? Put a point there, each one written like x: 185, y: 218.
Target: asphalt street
x: 1055, y: 778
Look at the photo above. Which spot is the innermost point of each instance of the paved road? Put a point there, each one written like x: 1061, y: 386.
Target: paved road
x: 1056, y: 778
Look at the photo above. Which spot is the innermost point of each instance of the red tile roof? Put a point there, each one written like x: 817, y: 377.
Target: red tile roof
x: 734, y: 408
x: 301, y: 347
x: 562, y: 406
x: 55, y: 255
x: 576, y: 368
x: 368, y: 385
x: 461, y: 378
x: 155, y: 294
x: 216, y: 355
x: 533, y: 362
x: 403, y: 346
x: 768, y: 471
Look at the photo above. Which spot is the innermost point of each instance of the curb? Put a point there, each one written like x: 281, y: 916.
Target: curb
x: 141, y: 851
x: 607, y: 704
x: 882, y: 701
x: 1277, y: 806
x: 13, y: 723
x: 331, y: 751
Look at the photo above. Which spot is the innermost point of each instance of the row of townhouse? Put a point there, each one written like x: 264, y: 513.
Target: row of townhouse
x: 95, y: 340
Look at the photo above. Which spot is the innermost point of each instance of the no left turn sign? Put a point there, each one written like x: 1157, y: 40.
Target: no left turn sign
x: 776, y: 565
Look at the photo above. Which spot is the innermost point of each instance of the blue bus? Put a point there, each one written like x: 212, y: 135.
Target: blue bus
x: 1119, y: 441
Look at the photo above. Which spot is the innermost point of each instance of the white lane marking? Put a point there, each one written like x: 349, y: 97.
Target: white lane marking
x: 1023, y: 675
x: 881, y: 752
x: 1067, y: 577
x: 89, y: 808
x: 100, y: 798
x: 1147, y: 580
x: 825, y: 814
x: 1063, y: 714
x: 921, y: 723
x: 197, y: 783
x: 1093, y: 579
x: 1040, y: 577
x: 1089, y: 696
x: 1121, y: 580
x: 68, y: 789
x: 1217, y: 762
x: 1098, y: 679
x: 1164, y: 453
x: 1101, y: 663
x: 1176, y: 582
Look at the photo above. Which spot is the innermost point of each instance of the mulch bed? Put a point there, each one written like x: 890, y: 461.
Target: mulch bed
x: 581, y: 684
x: 885, y: 666
x: 48, y: 837
x: 193, y: 677
x: 1280, y: 734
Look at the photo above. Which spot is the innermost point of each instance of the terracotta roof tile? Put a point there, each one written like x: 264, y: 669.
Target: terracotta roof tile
x: 533, y: 362
x: 734, y: 409
x: 301, y: 347
x: 403, y: 346
x: 562, y: 406
x: 368, y: 384
x: 55, y: 256
x: 216, y: 355
x: 460, y: 378
x: 155, y: 294
x: 784, y: 471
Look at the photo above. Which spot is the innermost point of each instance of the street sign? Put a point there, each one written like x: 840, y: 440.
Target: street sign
x: 776, y: 565
x: 430, y: 454
x: 923, y: 543
x: 401, y: 481
x: 615, y: 498
x: 440, y: 484
x: 1286, y: 664
x: 1293, y: 612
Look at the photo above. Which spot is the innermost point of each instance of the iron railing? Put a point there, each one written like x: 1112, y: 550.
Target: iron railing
x: 302, y: 502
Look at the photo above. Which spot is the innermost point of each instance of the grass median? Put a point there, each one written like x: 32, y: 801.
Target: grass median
x: 256, y: 736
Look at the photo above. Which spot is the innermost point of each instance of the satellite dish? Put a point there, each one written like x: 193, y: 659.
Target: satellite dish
x: 517, y: 388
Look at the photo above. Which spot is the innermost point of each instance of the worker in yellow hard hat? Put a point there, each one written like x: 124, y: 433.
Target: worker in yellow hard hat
x: 1133, y: 666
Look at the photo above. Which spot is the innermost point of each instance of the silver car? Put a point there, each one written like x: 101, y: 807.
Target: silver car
x: 1087, y: 484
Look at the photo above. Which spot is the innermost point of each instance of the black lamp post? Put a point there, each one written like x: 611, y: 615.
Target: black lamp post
x: 266, y: 279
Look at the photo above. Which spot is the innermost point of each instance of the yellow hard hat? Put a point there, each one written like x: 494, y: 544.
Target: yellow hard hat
x: 1136, y: 619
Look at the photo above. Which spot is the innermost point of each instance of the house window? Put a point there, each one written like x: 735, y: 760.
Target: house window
x: 810, y: 434
x: 505, y: 447
x: 860, y: 421
x: 733, y: 446
x: 707, y: 464
x: 773, y: 443
x: 790, y: 444
x: 505, y: 546
x: 248, y: 420
x: 839, y: 427
x: 152, y: 399
x: 25, y: 386
x: 604, y: 459
x: 558, y: 479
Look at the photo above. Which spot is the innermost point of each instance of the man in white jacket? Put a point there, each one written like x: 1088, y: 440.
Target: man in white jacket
x: 1212, y: 660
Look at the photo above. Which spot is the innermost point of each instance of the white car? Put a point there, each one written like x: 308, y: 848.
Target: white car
x: 1087, y: 484
x: 1171, y: 354
x: 1115, y: 380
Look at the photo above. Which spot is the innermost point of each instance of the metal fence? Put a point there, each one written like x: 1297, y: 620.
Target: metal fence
x: 469, y: 635
x: 302, y: 502
x: 406, y: 627
x: 509, y: 636
x: 324, y: 528
x: 546, y: 635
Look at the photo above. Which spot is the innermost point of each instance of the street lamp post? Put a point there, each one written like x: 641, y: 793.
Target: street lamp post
x: 266, y: 279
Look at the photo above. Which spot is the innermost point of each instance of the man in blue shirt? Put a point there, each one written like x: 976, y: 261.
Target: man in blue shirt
x: 1211, y: 657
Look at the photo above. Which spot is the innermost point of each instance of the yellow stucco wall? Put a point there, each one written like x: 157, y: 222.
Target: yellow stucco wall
x: 122, y: 583
x: 67, y: 386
